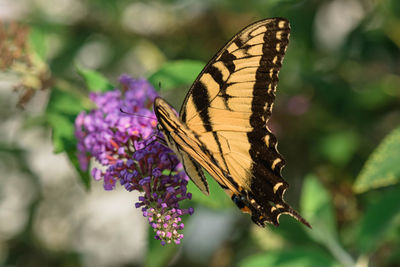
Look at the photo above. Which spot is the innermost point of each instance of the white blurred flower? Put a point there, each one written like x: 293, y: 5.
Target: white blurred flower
x: 335, y: 20
x: 63, y: 11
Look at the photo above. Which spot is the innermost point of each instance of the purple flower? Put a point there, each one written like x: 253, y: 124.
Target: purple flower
x: 125, y: 145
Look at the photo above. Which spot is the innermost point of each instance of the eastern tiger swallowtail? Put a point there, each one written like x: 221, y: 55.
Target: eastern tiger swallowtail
x: 222, y: 125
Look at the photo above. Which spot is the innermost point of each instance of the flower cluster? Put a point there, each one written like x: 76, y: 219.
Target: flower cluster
x: 126, y: 145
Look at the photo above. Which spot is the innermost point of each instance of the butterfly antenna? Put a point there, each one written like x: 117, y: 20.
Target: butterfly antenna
x: 123, y: 111
x: 134, y: 114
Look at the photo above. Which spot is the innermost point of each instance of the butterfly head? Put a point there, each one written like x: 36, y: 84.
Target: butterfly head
x: 164, y: 110
x: 166, y: 115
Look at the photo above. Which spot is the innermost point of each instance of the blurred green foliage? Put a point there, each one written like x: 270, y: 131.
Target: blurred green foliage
x: 336, y: 116
x: 382, y: 168
x: 176, y: 74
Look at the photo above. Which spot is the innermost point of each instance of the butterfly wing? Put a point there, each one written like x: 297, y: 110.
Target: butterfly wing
x: 223, y: 120
x: 187, y: 146
x: 192, y: 168
x: 194, y: 171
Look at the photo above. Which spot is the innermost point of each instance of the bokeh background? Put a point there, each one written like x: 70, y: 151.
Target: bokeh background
x: 335, y: 116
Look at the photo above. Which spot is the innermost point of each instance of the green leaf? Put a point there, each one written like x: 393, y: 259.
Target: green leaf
x: 37, y: 42
x: 382, y: 168
x: 378, y: 220
x: 289, y: 258
x: 217, y: 199
x: 292, y: 231
x: 60, y: 114
x: 95, y: 81
x: 85, y: 176
x: 176, y: 73
x: 63, y: 131
x: 317, y: 208
x: 63, y: 102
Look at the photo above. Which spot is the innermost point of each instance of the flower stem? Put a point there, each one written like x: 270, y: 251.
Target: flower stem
x: 339, y: 253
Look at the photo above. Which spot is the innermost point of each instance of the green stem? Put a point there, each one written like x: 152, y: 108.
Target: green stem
x: 339, y: 253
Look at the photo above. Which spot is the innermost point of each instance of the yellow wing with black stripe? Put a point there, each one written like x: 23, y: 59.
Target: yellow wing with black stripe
x: 222, y: 125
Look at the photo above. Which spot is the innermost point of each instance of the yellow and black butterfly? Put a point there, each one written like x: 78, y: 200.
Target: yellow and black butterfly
x: 222, y: 125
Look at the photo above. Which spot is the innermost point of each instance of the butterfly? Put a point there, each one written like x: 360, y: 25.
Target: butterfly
x: 222, y: 124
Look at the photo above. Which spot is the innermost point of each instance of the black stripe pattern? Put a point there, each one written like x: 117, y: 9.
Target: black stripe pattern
x: 266, y: 177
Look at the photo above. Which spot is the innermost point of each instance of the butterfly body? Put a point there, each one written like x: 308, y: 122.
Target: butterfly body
x: 222, y: 125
